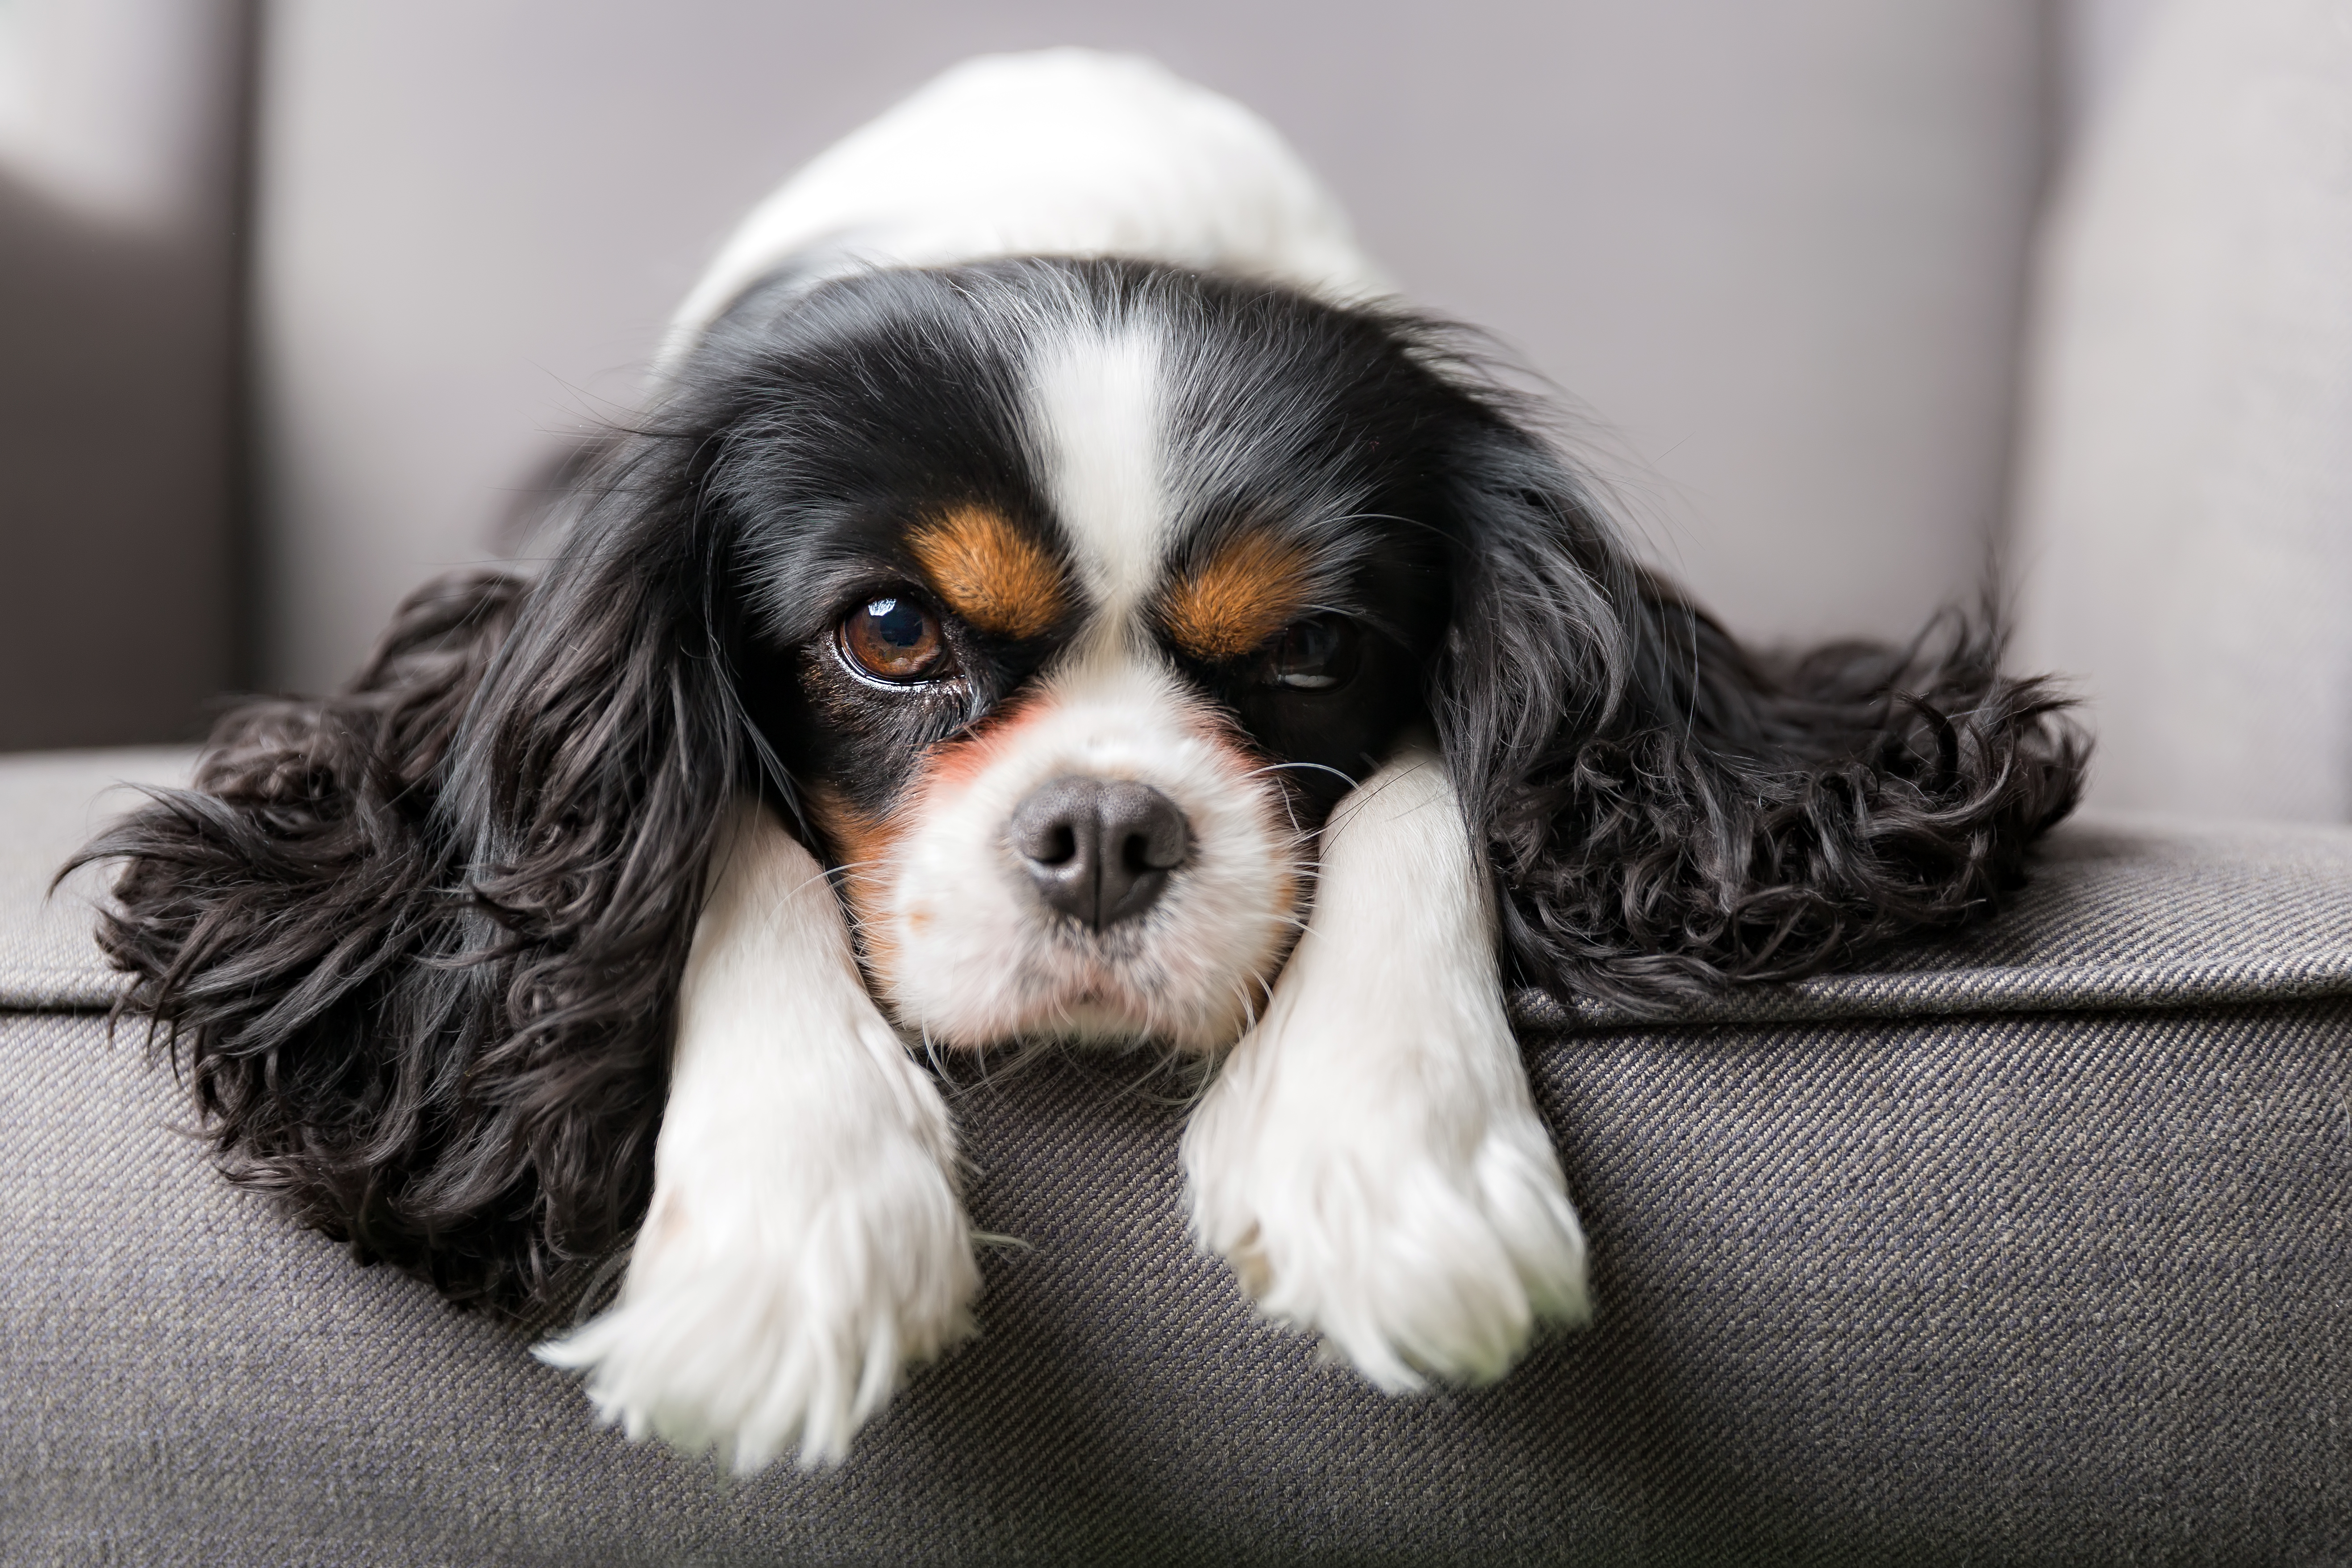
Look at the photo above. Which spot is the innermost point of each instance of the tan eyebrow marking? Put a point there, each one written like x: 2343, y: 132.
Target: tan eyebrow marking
x: 1242, y: 595
x: 989, y: 572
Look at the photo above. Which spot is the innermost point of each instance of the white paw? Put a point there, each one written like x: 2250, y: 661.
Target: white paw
x: 1370, y: 1159
x: 751, y: 1329
x: 1417, y: 1242
x: 805, y: 1241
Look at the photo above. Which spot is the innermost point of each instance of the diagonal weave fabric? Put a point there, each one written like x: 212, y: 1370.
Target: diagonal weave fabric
x: 2122, y: 911
x: 2065, y: 1283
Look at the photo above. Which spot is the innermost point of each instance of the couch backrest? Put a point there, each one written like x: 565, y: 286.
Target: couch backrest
x: 1779, y: 249
x: 121, y: 135
x: 2185, y: 503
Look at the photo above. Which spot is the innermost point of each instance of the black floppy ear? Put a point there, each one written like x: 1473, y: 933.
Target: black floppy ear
x: 419, y: 944
x: 1667, y: 811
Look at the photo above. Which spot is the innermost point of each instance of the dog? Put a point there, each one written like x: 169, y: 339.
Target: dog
x: 1054, y: 593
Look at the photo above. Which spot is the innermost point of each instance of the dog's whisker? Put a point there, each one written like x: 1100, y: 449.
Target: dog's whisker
x: 1310, y: 767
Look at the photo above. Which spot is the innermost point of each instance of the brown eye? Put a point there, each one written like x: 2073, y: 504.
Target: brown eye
x: 1318, y: 654
x: 897, y: 640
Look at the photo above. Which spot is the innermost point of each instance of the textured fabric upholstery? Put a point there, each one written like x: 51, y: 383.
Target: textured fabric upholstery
x: 2032, y: 1247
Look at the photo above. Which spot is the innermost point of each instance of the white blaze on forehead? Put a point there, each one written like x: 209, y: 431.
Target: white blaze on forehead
x: 1096, y: 398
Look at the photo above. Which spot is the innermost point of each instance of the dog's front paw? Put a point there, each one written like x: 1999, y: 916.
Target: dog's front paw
x: 753, y: 1322
x: 1420, y: 1239
x: 1370, y: 1159
x: 805, y: 1241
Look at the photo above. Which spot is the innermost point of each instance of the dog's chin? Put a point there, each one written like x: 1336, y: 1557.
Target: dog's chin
x: 993, y: 967
x: 1086, y: 1019
x: 1087, y: 1001
x: 1107, y: 1023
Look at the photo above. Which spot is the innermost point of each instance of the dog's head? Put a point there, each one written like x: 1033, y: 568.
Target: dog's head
x: 1070, y: 596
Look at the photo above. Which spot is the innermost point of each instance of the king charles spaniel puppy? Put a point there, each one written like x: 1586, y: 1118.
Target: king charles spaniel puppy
x: 1055, y: 592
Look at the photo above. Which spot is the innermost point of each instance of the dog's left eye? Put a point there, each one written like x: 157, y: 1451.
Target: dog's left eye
x: 1318, y: 654
x: 896, y: 640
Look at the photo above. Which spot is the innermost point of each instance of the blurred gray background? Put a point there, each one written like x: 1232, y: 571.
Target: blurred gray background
x: 295, y: 297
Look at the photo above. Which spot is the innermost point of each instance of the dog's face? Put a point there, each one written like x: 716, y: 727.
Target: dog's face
x: 1073, y: 595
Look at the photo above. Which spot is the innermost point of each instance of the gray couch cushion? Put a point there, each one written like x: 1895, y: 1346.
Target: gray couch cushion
x: 49, y: 806
x: 2022, y: 1280
x: 2123, y: 912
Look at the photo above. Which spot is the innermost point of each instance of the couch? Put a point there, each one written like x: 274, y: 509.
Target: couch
x: 2032, y: 1245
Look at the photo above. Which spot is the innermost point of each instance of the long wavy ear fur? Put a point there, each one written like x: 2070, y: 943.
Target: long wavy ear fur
x: 417, y: 945
x: 1668, y: 812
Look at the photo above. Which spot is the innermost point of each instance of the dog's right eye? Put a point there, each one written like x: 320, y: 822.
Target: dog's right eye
x: 894, y: 639
x: 1318, y: 654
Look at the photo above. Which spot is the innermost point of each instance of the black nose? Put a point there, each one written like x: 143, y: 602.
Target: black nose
x: 1100, y: 849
